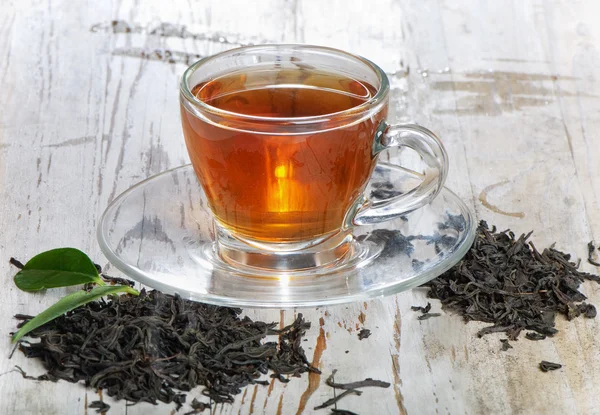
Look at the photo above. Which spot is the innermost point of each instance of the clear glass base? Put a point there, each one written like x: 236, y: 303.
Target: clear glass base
x: 229, y: 254
x: 161, y: 233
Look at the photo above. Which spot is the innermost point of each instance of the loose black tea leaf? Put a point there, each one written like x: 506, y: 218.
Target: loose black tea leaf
x: 335, y: 399
x: 117, y: 280
x: 427, y: 316
x: 423, y: 310
x: 417, y: 265
x: 156, y: 347
x: 548, y: 366
x: 532, y: 335
x: 342, y: 412
x: 591, y: 249
x: 364, y: 333
x: 507, y: 282
x: 24, y: 374
x: 197, y: 407
x: 16, y: 263
x: 583, y: 309
x: 113, y: 280
x: 393, y: 241
x: 505, y: 345
x: 100, y: 406
x: 453, y: 222
x: 355, y: 385
x: 280, y: 377
x: 384, y: 190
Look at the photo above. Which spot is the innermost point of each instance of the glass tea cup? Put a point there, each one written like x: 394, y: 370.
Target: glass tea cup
x: 283, y: 140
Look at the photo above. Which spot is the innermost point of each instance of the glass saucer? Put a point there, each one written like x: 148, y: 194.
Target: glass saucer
x: 160, y: 232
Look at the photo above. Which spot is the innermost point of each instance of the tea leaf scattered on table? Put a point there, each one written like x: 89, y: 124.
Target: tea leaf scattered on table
x: 591, y: 250
x: 99, y: 406
x: 62, y: 267
x: 197, y: 407
x: 532, y: 335
x: 505, y: 345
x: 335, y: 399
x: 69, y: 303
x: 505, y: 281
x: 423, y: 310
x: 355, y: 385
x: 16, y: 263
x: 548, y: 366
x: 427, y: 316
x: 363, y: 334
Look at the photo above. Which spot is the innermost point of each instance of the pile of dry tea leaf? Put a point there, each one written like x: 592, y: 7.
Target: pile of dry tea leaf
x: 154, y: 347
x: 507, y: 282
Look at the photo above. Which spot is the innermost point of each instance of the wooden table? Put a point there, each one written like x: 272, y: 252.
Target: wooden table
x: 89, y: 106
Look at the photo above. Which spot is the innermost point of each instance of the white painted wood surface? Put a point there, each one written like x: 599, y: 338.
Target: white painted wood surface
x: 512, y: 87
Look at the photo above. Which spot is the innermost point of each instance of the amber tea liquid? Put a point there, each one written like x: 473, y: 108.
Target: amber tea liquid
x: 271, y: 186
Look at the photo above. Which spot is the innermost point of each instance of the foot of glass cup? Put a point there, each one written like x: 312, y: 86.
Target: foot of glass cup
x: 308, y: 258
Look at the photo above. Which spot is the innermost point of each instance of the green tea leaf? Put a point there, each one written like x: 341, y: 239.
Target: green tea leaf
x: 69, y: 303
x: 61, y: 267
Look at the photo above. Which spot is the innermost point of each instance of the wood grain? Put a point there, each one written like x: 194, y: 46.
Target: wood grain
x: 89, y: 108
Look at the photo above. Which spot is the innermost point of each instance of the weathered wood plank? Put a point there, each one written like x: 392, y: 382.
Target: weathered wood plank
x: 510, y: 87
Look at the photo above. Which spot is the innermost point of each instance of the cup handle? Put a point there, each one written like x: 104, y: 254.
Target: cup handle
x: 431, y: 150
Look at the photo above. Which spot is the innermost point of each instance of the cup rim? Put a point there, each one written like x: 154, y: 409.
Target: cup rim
x: 381, y: 93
